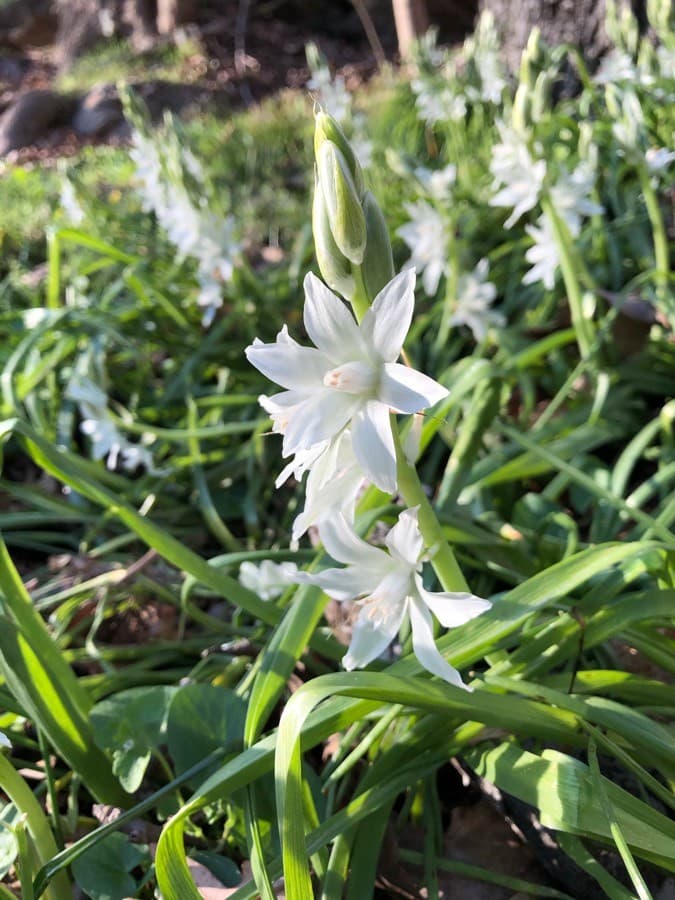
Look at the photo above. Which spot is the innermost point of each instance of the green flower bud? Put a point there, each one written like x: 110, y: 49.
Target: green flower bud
x: 342, y: 200
x: 541, y: 96
x: 334, y: 266
x: 327, y: 129
x: 377, y: 268
x: 521, y: 115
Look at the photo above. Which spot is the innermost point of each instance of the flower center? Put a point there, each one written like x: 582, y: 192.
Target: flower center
x: 353, y: 377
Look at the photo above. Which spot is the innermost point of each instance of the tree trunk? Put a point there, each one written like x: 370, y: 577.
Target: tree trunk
x: 577, y: 22
x: 171, y: 14
x: 82, y: 23
x: 412, y: 21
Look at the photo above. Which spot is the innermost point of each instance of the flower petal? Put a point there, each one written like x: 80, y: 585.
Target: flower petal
x: 387, y: 322
x: 347, y: 547
x: 452, y: 609
x: 425, y: 647
x: 344, y: 584
x: 329, y: 323
x: 372, y: 635
x: 288, y: 364
x: 408, y: 391
x: 405, y: 540
x: 318, y: 418
x: 373, y: 445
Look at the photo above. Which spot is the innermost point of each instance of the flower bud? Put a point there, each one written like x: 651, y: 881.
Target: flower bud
x: 327, y: 129
x: 521, y: 114
x: 342, y: 200
x: 377, y: 268
x: 334, y: 266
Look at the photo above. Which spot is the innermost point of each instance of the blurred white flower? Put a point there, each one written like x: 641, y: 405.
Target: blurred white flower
x: 616, y: 66
x: 351, y: 379
x: 570, y: 197
x: 475, y: 295
x: 437, y: 183
x: 483, y: 49
x: 388, y: 587
x: 630, y: 128
x: 437, y: 103
x: 330, y: 92
x: 658, y: 159
x: 427, y: 237
x: 268, y: 579
x: 69, y: 202
x: 516, y: 174
x: 4, y: 740
x: 544, y: 254
x: 98, y: 425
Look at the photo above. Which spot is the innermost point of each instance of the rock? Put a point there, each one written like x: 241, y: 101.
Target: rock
x: 31, y: 116
x: 98, y: 111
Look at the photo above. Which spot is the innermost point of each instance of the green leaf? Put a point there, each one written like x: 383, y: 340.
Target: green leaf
x: 130, y: 725
x: 203, y: 718
x: 224, y: 869
x: 103, y: 872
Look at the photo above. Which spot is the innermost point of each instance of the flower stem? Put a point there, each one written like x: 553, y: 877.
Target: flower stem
x: 583, y: 327
x: 442, y: 558
x: 661, y: 256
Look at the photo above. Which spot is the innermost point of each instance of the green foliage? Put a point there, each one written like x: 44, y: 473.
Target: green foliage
x: 139, y: 663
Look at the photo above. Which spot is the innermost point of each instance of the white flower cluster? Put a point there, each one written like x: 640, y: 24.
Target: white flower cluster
x: 335, y: 418
x: 100, y: 428
x: 481, y: 53
x: 195, y: 232
x: 570, y: 200
x: 426, y: 233
x: 518, y: 178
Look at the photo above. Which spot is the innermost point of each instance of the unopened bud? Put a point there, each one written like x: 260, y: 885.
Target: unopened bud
x: 327, y: 129
x: 541, y: 96
x: 343, y: 204
x: 334, y: 266
x: 521, y: 115
x: 377, y: 268
x: 533, y: 59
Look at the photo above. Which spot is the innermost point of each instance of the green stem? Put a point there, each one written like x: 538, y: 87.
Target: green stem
x: 442, y: 558
x: 661, y: 256
x: 450, y: 298
x: 360, y: 300
x: 583, y: 327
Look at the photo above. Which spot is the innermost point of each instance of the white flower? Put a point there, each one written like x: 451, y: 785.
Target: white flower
x: 475, y: 294
x: 350, y: 379
x: 517, y: 174
x: 331, y: 93
x: 616, y: 66
x: 658, y: 159
x: 98, y: 425
x: 269, y: 579
x: 437, y: 183
x: 438, y: 103
x: 544, y: 255
x: 69, y: 203
x: 388, y: 587
x: 334, y: 480
x: 426, y: 236
x: 570, y: 197
x: 5, y: 741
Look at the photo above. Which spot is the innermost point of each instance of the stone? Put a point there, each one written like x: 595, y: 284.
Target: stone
x: 31, y: 116
x: 98, y: 111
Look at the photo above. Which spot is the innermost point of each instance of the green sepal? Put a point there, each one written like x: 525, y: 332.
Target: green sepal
x: 334, y: 266
x: 377, y: 268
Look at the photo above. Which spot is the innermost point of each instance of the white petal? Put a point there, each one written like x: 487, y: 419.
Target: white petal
x: 319, y: 418
x: 347, y: 547
x: 338, y: 494
x: 408, y: 391
x: 372, y: 634
x: 387, y: 322
x: 452, y: 609
x: 329, y: 323
x: 405, y: 540
x: 288, y: 364
x: 373, y: 445
x: 345, y: 584
x: 425, y: 647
